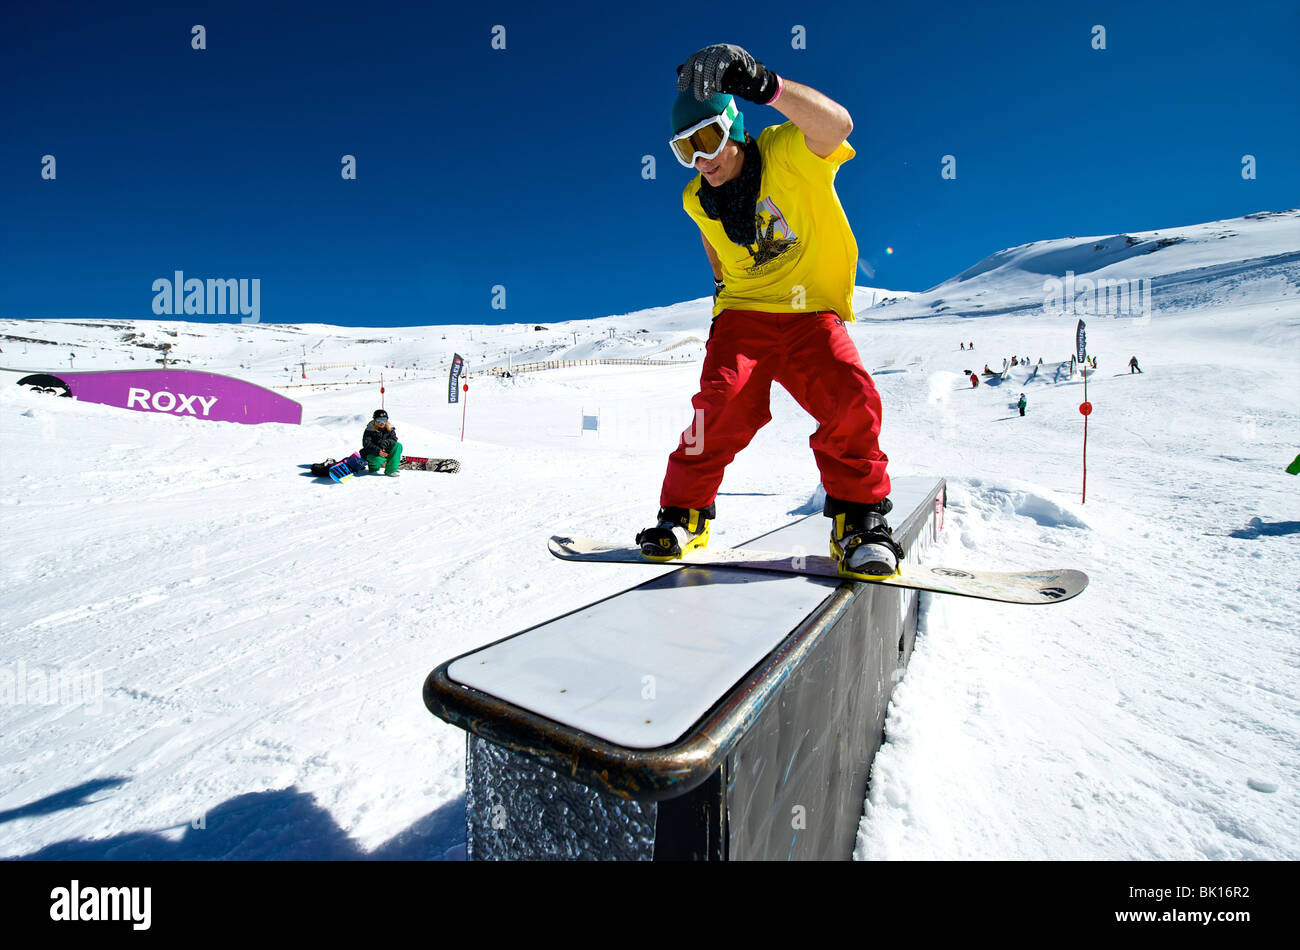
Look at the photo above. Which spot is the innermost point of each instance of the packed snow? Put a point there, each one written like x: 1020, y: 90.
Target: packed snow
x: 207, y: 653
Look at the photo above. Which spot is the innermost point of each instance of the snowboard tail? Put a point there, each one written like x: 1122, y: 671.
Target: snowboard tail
x: 349, y: 468
x: 1049, y: 586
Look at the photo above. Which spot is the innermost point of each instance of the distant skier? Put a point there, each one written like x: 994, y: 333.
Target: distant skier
x: 769, y: 218
x: 379, y: 445
x: 963, y: 345
x: 974, y: 381
x: 1133, y: 366
x: 1021, y: 405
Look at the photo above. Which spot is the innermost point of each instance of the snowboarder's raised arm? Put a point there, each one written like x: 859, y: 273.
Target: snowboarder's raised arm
x: 824, y: 122
x: 729, y: 69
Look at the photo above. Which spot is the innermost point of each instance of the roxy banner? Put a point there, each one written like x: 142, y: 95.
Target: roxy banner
x: 175, y: 392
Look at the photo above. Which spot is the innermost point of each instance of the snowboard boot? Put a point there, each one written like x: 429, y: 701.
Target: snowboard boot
x: 862, y: 543
x: 679, y: 530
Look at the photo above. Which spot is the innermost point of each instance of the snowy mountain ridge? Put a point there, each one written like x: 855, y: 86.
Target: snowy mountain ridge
x: 1175, y: 262
x: 1257, y: 250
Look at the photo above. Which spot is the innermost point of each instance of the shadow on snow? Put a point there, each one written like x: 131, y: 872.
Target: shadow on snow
x: 278, y: 824
x: 1258, y: 528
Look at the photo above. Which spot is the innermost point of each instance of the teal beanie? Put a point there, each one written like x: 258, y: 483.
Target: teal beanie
x: 687, y: 110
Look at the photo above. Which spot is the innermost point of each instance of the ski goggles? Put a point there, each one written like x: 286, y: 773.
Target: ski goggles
x: 706, y: 139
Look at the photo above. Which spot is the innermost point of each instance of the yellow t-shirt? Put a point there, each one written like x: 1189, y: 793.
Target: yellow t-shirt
x: 806, y: 257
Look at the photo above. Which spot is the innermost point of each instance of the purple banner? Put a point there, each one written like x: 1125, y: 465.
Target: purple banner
x: 174, y: 392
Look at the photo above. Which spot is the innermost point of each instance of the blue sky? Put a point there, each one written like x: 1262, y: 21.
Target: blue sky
x: 521, y: 167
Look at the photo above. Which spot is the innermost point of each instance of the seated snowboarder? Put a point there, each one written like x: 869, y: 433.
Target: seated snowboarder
x: 379, y: 445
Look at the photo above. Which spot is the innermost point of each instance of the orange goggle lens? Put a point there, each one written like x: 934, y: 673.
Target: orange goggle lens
x: 706, y: 142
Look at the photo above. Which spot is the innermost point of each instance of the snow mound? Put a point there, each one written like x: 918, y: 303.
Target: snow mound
x: 1003, y: 502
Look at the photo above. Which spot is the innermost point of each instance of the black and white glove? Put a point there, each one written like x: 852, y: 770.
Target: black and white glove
x: 724, y: 67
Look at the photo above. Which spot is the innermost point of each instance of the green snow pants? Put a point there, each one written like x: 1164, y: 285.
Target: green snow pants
x: 390, y: 464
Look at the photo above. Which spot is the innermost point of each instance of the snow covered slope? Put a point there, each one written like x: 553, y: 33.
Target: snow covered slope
x: 206, y: 653
x: 1181, y: 264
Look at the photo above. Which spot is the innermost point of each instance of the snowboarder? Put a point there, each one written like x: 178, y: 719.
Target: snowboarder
x: 769, y: 218
x: 379, y: 445
x: 1021, y: 405
x: 1133, y: 365
x: 974, y: 381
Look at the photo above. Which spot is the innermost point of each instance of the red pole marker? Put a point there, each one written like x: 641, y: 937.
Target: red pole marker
x: 463, y: 404
x: 1085, y: 409
x: 381, y: 390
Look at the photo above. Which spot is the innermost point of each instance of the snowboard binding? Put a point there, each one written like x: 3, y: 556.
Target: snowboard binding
x: 862, y: 543
x: 679, y: 531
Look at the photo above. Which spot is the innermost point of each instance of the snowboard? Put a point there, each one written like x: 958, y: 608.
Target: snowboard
x: 351, y: 466
x: 1051, y: 586
x: 414, y: 463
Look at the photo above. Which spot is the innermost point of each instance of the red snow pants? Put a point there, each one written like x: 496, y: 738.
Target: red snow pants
x: 813, y: 357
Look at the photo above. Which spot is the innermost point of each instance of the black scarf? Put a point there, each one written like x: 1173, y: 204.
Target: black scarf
x: 734, y: 202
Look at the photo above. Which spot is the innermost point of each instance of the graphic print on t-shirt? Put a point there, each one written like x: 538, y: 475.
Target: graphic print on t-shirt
x: 774, y: 236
